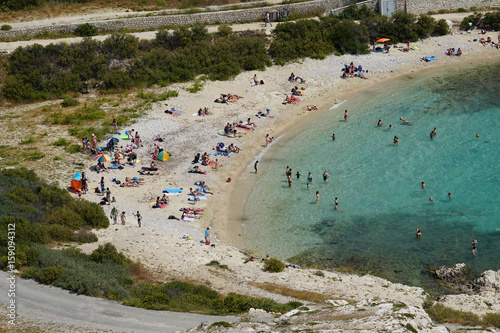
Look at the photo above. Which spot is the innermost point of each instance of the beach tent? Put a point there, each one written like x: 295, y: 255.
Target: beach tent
x: 163, y: 156
x: 76, y: 181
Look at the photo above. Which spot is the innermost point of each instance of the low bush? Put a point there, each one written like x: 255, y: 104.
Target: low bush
x: 5, y: 27
x: 274, y: 265
x: 69, y: 101
x: 85, y: 236
x: 108, y: 253
x: 48, y: 275
x: 85, y: 30
x: 60, y: 142
x: 73, y: 149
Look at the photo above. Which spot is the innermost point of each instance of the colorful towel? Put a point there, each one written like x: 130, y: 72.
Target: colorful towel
x: 172, y: 190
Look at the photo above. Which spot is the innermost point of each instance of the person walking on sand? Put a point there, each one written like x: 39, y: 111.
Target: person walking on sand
x: 345, y: 115
x: 317, y: 196
x: 207, y: 236
x: 255, y: 166
x: 123, y: 217
x: 115, y: 124
x: 139, y: 218
x: 114, y: 214
x: 267, y: 139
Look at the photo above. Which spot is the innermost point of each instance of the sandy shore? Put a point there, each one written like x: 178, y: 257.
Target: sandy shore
x: 158, y: 244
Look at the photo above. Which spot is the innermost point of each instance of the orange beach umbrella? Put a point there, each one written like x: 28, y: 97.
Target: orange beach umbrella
x: 382, y: 40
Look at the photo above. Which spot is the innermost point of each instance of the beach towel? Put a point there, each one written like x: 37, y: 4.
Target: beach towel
x: 199, y: 197
x: 172, y: 190
x: 185, y: 218
x: 431, y: 58
x: 123, y: 136
x: 223, y: 152
x: 114, y: 166
x: 416, y: 47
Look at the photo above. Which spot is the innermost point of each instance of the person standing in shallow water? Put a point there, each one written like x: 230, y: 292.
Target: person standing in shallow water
x: 255, y: 166
x: 333, y: 137
x: 346, y: 115
x: 433, y: 133
x: 317, y: 196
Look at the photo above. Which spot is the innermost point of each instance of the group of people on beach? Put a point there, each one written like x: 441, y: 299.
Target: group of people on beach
x: 350, y: 71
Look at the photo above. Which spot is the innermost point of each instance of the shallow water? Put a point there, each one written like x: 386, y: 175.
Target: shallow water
x: 381, y: 203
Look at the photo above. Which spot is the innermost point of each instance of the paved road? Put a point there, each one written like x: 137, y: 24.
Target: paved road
x: 45, y: 303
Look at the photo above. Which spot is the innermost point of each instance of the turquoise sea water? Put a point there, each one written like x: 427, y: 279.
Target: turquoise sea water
x: 381, y: 203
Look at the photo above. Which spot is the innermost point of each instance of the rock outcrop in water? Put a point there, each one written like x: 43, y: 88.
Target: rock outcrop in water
x: 458, y: 278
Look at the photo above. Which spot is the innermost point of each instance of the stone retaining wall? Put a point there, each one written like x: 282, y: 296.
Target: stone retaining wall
x: 315, y: 7
x: 425, y: 6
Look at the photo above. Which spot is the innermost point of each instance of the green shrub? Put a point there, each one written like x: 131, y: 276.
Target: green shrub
x: 225, y: 30
x: 462, y: 10
x: 274, y: 265
x: 61, y: 233
x: 28, y: 141
x: 30, y: 273
x: 213, y: 263
x: 60, y: 142
x: 69, y: 101
x: 48, y: 275
x: 473, y: 19
x: 108, y: 253
x: 222, y: 324
x: 5, y: 27
x: 73, y: 149
x: 319, y: 273
x: 85, y: 30
x: 442, y: 28
x: 443, y: 314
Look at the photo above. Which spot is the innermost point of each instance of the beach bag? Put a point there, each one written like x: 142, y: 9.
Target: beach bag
x: 261, y: 81
x: 97, y: 190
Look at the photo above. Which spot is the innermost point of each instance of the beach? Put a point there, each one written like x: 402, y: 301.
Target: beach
x: 158, y: 244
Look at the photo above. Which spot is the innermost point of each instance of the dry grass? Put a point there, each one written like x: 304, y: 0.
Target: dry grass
x: 302, y: 295
x: 139, y: 273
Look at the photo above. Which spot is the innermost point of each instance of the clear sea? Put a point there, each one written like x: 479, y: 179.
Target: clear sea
x: 381, y: 203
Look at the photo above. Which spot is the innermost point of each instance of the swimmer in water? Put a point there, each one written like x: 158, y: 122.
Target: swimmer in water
x: 333, y: 137
x: 317, y: 196
x: 309, y: 177
x: 396, y: 140
x: 336, y: 203
x: 419, y: 233
x: 379, y: 123
x: 307, y: 186
x: 431, y: 200
x: 405, y: 122
x: 388, y: 128
x: 477, y: 135
x: 433, y: 133
x: 422, y: 185
x: 325, y: 176
x: 298, y: 175
x: 449, y: 195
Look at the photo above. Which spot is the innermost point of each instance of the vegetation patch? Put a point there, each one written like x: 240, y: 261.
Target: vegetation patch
x: 444, y: 314
x: 274, y: 265
x: 285, y: 291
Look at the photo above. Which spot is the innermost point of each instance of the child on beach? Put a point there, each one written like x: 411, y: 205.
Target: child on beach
x: 123, y: 217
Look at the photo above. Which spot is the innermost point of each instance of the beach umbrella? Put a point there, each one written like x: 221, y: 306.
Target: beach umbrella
x: 113, y: 141
x: 118, y: 155
x: 102, y: 158
x: 163, y: 156
x: 382, y: 40
x: 76, y: 181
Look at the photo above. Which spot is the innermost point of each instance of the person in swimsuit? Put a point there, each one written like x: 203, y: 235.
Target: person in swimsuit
x: 422, y: 185
x: 433, y: 133
x: 317, y: 196
x: 419, y: 233
x: 309, y: 177
x: 336, y: 203
x: 449, y: 195
x: 396, y: 140
x: 345, y: 115
x: 333, y: 137
x: 298, y: 175
x: 325, y: 176
x: 379, y: 123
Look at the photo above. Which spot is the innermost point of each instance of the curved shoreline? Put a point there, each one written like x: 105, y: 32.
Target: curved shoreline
x: 286, y: 130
